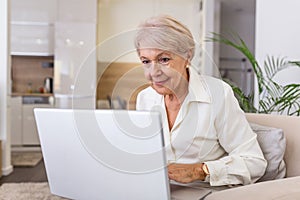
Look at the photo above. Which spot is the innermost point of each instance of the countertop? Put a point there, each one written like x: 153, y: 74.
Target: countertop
x: 14, y: 94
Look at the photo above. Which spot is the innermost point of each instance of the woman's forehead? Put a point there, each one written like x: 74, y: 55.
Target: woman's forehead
x: 151, y: 52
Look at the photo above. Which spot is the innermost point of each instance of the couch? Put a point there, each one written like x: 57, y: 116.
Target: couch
x: 287, y: 188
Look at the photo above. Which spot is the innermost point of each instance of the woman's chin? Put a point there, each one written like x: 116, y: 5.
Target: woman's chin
x: 160, y: 89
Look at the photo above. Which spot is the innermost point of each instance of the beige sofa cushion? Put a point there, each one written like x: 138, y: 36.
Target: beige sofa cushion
x: 291, y: 128
x: 273, y: 144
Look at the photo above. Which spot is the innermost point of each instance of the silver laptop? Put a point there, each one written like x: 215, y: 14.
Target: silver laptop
x: 105, y: 154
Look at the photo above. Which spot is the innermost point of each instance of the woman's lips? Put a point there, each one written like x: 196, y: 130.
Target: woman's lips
x: 159, y: 83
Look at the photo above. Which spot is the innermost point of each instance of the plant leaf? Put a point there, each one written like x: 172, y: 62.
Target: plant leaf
x: 274, y: 65
x: 241, y: 46
x: 295, y: 63
x: 245, y: 101
x: 273, y: 97
x: 290, y: 100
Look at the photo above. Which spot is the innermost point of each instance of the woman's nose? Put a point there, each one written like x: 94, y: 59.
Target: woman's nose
x: 155, y: 69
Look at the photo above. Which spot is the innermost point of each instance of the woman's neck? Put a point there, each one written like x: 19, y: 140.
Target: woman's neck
x: 176, y: 99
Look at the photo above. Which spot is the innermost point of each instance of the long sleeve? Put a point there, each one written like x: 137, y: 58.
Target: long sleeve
x: 245, y: 162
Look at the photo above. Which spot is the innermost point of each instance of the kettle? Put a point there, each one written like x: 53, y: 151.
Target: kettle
x: 48, y: 85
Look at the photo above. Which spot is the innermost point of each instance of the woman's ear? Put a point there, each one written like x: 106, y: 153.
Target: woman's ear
x: 189, y: 57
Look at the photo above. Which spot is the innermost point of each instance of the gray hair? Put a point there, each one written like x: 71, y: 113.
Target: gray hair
x: 165, y: 33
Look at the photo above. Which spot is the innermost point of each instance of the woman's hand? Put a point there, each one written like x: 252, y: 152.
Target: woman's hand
x: 186, y: 173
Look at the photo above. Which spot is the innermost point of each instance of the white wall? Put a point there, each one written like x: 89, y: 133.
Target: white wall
x: 211, y: 23
x: 118, y: 18
x: 4, y: 87
x: 278, y: 34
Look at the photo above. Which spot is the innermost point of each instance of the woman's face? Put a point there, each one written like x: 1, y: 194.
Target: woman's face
x: 166, y: 71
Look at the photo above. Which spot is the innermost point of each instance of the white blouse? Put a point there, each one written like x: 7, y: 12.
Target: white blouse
x: 210, y: 127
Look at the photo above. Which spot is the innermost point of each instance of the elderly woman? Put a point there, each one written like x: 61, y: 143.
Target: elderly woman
x: 207, y: 136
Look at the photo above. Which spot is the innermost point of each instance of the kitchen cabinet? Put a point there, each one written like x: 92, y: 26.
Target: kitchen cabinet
x: 16, y: 120
x: 74, y: 54
x: 32, y: 27
x: 33, y: 10
x: 36, y: 39
x: 79, y: 11
x: 29, y: 129
x: 72, y: 47
x: 23, y: 125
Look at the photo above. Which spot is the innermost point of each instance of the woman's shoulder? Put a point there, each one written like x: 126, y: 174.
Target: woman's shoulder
x: 207, y: 80
x: 214, y: 82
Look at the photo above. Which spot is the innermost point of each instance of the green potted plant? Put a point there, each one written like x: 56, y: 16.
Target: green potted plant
x: 273, y: 97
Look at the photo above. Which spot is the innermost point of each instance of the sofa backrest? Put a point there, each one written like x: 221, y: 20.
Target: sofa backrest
x: 291, y: 127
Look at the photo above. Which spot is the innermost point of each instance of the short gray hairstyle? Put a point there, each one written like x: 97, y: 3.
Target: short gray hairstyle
x: 165, y: 33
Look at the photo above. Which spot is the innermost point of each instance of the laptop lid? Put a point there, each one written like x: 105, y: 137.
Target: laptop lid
x: 103, y: 154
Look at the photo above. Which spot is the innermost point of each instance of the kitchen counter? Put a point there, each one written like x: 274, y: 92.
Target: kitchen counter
x: 34, y: 98
x: 14, y: 94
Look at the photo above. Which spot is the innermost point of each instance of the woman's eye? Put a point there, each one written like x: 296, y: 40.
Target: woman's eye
x: 145, y: 62
x: 164, y: 60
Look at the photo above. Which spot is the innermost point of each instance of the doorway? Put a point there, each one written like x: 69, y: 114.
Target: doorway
x: 238, y: 17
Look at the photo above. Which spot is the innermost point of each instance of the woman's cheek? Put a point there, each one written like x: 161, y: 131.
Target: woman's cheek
x: 147, y: 75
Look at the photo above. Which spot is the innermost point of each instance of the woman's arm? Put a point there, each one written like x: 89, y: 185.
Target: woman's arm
x: 245, y: 161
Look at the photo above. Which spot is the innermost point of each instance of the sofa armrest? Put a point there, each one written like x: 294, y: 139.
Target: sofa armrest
x: 287, y: 189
